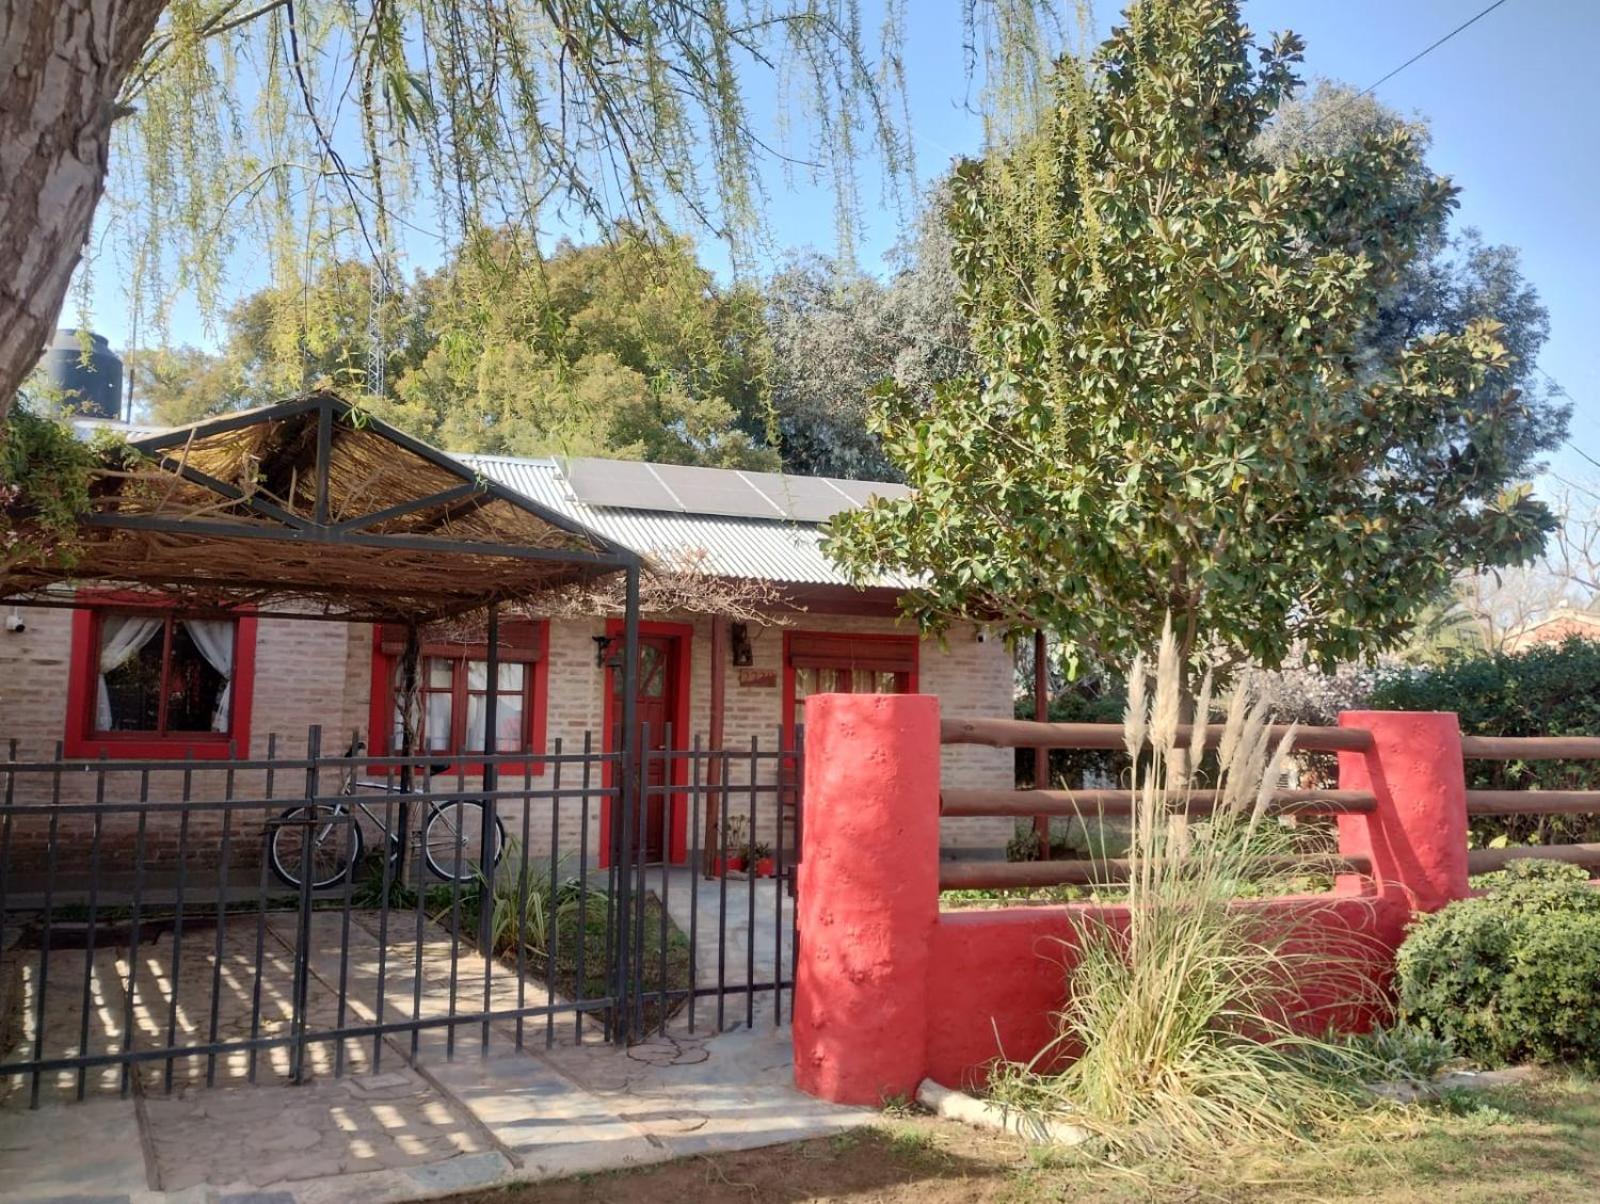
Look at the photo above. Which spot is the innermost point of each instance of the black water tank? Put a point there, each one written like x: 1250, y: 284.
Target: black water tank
x: 90, y: 385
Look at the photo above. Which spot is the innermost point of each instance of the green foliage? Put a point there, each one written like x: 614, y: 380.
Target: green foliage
x: 1545, y: 690
x: 1455, y: 278
x: 1400, y: 1052
x: 1511, y: 975
x: 1178, y: 407
x: 44, y: 486
x: 626, y: 349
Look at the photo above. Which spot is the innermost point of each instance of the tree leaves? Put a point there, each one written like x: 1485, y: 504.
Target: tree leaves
x: 1178, y: 405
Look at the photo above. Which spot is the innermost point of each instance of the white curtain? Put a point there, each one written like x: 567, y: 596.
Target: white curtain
x: 214, y: 638
x: 120, y: 637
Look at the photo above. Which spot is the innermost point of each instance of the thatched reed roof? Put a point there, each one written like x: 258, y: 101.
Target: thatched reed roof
x: 313, y: 504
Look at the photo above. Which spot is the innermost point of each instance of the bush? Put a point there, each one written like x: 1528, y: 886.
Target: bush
x: 1548, y: 690
x: 1512, y: 975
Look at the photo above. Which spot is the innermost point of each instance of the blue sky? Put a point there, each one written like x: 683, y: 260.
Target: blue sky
x: 1515, y: 124
x: 1509, y: 100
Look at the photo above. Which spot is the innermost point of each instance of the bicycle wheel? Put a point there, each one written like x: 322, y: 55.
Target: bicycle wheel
x: 335, y: 840
x: 452, y: 840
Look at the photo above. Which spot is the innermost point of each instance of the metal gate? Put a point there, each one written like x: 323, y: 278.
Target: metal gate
x: 191, y: 921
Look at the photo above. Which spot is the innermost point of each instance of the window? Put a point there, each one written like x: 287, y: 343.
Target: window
x: 149, y: 680
x: 824, y: 663
x: 453, y: 691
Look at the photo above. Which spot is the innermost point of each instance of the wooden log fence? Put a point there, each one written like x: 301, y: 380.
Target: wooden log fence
x: 1020, y: 804
x: 1025, y: 875
x: 1025, y: 733
x: 1045, y: 803
x: 1484, y: 861
x: 1530, y: 748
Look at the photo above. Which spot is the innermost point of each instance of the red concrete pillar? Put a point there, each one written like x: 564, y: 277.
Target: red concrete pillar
x: 868, y: 896
x: 1417, y: 838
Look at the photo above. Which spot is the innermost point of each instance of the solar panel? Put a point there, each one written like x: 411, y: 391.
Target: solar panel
x: 715, y: 491
x: 622, y: 483
x: 860, y: 491
x: 680, y: 488
x: 803, y: 499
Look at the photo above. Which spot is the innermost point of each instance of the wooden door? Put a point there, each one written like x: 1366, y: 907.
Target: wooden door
x: 657, y: 704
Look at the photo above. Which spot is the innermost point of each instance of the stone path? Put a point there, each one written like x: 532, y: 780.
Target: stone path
x: 766, y: 946
x: 387, y: 1129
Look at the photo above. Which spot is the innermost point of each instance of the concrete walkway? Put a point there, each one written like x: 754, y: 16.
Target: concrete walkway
x: 391, y: 1130
x: 753, y: 943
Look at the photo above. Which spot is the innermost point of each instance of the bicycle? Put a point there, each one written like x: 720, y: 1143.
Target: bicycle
x: 452, y: 835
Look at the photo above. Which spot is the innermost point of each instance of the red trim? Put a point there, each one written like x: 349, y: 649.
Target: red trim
x: 678, y: 812
x: 913, y: 642
x: 378, y: 714
x: 79, y: 737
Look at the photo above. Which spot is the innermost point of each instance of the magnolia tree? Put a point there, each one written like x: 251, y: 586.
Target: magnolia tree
x: 1179, y: 407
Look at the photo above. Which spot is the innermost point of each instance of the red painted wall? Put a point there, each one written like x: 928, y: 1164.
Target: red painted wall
x: 890, y: 990
x: 868, y: 894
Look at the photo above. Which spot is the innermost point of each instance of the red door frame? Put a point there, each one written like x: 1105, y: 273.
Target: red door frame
x: 677, y: 820
x: 787, y: 702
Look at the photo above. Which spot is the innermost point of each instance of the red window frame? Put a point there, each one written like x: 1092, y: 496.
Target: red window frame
x: 80, y: 739
x: 524, y: 641
x: 847, y: 650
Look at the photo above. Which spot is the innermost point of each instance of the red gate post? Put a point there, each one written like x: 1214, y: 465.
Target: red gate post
x: 1417, y: 837
x: 868, y: 895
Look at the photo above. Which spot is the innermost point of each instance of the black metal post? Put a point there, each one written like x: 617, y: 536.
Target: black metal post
x: 486, y: 849
x: 627, y: 783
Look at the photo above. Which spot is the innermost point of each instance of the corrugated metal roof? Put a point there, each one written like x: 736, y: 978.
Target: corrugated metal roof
x: 776, y: 549
x: 772, y: 549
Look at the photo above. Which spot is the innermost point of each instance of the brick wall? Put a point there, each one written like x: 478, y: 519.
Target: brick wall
x: 312, y: 672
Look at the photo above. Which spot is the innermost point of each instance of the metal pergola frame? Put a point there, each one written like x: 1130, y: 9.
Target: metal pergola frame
x: 273, y: 524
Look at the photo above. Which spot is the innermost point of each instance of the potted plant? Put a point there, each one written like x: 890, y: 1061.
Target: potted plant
x: 761, y: 864
x: 736, y: 853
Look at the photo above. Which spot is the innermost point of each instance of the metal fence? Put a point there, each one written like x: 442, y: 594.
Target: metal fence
x: 187, y: 921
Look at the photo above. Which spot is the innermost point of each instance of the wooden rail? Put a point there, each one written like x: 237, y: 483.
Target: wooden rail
x: 1024, y: 733
x: 1530, y: 748
x: 1020, y: 875
x: 1483, y: 861
x: 1533, y: 802
x: 1022, y: 803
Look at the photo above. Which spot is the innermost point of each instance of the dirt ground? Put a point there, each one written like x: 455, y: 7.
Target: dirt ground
x: 1539, y: 1144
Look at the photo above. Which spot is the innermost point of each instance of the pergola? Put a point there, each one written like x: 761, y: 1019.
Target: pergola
x: 312, y: 509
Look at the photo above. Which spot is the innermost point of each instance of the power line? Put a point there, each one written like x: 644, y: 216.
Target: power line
x: 1473, y: 20
x: 1420, y: 55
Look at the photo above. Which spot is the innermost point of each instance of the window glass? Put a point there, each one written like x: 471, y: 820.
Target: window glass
x: 437, y: 715
x: 133, y: 689
x: 193, y: 687
x: 160, y: 673
x: 454, y: 702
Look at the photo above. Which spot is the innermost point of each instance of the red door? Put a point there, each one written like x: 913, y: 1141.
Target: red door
x: 657, y: 705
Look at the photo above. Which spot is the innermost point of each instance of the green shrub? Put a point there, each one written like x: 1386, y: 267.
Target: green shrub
x: 1514, y: 974
x: 1548, y: 690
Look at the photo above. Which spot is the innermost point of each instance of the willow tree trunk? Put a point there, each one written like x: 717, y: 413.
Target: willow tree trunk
x: 62, y: 66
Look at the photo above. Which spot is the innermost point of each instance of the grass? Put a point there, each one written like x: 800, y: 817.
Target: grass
x: 1176, y: 1036
x: 1532, y: 1143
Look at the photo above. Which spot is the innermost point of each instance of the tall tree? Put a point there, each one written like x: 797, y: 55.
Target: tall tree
x: 1179, y: 408
x: 837, y: 334
x: 314, y: 128
x: 1454, y: 278
x: 627, y: 349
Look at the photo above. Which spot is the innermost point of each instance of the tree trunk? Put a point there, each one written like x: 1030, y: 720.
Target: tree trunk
x: 62, y: 65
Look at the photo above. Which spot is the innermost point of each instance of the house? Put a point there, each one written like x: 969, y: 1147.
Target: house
x: 746, y: 618
x: 1557, y: 627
